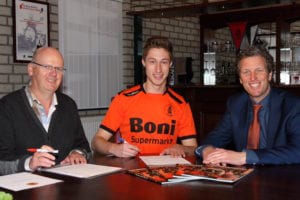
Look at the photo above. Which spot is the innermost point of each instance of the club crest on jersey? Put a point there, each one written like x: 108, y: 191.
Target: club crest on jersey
x: 169, y: 110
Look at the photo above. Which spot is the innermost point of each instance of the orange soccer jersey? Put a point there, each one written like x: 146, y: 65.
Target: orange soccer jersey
x: 152, y: 122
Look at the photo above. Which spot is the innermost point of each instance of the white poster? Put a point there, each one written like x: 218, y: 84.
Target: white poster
x: 31, y: 28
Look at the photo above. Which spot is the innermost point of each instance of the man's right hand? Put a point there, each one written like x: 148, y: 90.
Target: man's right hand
x: 124, y: 150
x: 42, y: 159
x: 206, y: 151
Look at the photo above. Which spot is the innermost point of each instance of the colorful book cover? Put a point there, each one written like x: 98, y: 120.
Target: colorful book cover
x: 182, y: 173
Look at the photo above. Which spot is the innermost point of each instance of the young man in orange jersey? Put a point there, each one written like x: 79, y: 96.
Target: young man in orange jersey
x: 151, y: 117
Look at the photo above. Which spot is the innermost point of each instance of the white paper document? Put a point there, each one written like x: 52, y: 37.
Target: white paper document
x: 83, y: 170
x: 25, y: 180
x: 163, y: 160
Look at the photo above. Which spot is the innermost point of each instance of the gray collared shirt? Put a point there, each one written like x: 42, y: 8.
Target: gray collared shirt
x: 39, y: 109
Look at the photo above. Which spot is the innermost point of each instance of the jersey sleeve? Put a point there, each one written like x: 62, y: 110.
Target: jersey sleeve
x: 186, y: 126
x: 114, y: 116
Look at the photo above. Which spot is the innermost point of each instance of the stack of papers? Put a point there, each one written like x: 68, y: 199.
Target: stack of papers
x: 182, y: 173
x: 166, y: 160
x: 25, y: 180
x: 83, y: 170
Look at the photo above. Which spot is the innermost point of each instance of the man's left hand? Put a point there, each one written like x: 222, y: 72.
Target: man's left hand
x: 74, y: 158
x: 176, y: 150
x: 222, y: 156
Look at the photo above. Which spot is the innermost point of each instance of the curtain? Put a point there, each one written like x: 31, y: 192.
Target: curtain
x: 90, y: 38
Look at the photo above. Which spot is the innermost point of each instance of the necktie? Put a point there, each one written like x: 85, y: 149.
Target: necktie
x: 254, y: 129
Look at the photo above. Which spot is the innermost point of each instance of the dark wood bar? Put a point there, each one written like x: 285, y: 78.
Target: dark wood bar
x: 208, y: 103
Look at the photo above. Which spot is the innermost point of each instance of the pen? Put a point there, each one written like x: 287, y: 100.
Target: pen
x: 120, y: 139
x: 33, y: 150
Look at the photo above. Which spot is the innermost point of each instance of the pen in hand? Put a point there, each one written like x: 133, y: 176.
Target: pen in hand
x: 121, y: 140
x: 33, y: 150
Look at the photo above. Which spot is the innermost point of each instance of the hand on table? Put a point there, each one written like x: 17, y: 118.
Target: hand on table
x: 176, y: 150
x: 218, y: 156
x: 74, y: 158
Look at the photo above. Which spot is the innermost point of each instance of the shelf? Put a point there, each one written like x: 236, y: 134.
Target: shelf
x: 279, y: 17
x: 270, y: 13
x: 187, y: 10
x: 266, y: 34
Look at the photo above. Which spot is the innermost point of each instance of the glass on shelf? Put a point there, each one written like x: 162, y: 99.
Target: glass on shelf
x: 296, y: 50
x: 295, y: 78
x: 285, y: 73
x: 214, y: 46
x: 219, y: 47
x: 218, y: 64
x: 296, y: 40
x: 295, y: 65
x: 228, y: 46
x: 209, y: 69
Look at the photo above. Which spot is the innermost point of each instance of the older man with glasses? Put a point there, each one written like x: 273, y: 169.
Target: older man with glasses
x: 37, y: 120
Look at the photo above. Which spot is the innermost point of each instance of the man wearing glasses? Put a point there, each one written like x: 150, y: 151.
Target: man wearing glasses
x: 37, y: 119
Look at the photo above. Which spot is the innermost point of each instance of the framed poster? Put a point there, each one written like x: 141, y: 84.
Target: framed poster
x: 31, y: 28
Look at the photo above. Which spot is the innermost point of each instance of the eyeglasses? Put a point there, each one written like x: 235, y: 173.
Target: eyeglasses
x: 50, y: 67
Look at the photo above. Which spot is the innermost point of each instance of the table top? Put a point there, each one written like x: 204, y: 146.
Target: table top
x: 266, y: 182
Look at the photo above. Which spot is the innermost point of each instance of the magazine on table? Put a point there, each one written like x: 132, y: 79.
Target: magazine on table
x: 183, y: 173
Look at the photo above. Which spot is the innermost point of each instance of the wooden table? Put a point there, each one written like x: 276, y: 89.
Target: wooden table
x: 266, y: 182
